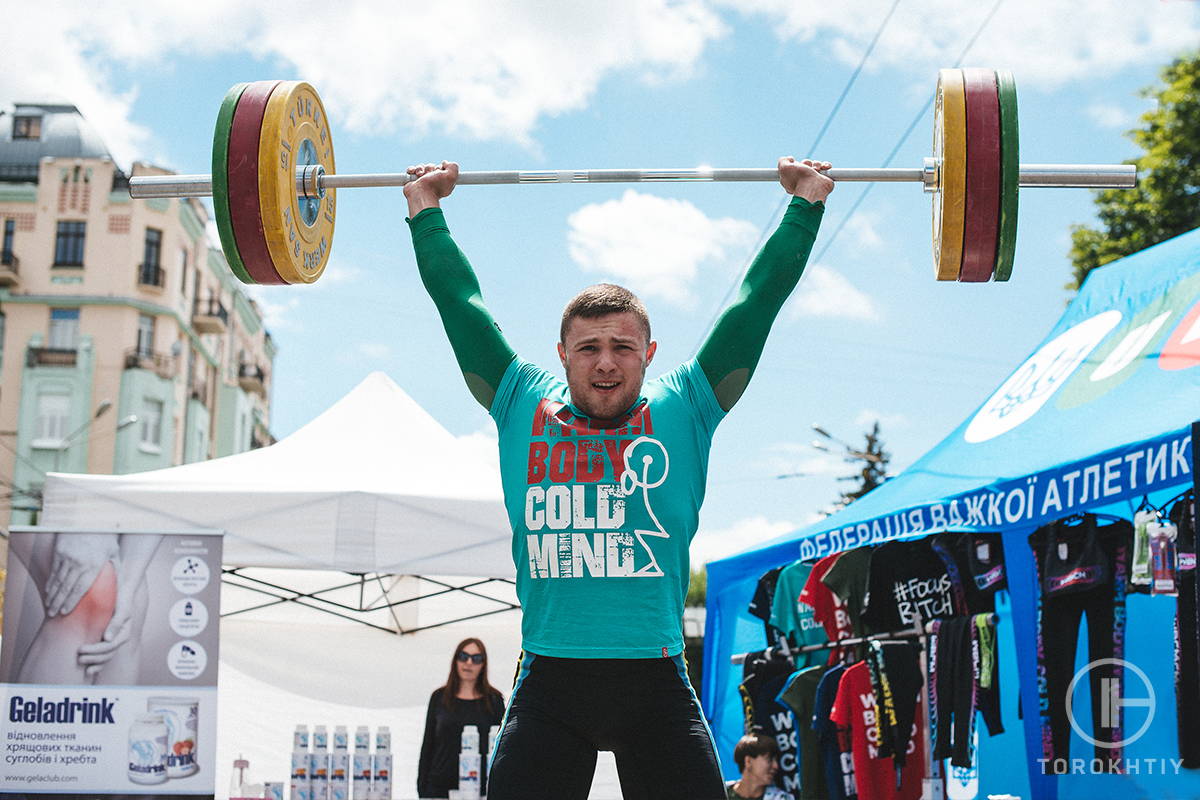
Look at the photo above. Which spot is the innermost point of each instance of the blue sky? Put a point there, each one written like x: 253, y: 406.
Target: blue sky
x: 539, y: 85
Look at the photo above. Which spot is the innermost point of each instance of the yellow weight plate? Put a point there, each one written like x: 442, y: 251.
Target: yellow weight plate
x: 298, y: 230
x: 950, y: 153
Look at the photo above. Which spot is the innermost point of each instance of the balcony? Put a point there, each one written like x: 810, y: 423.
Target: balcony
x: 50, y: 357
x: 209, y: 316
x: 151, y: 275
x: 252, y: 379
x: 10, y: 266
x: 162, y: 365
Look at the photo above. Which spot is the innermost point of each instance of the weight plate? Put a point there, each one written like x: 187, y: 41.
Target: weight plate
x: 982, y: 220
x: 299, y: 230
x: 950, y: 154
x: 243, y: 182
x: 220, y: 182
x: 1010, y: 174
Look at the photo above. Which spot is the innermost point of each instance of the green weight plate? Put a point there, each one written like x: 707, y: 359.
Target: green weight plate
x: 1010, y: 175
x: 220, y: 182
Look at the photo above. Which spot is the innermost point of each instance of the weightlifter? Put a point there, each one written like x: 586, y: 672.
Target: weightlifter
x: 603, y: 479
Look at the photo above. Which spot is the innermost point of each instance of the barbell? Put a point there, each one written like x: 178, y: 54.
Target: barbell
x: 273, y: 181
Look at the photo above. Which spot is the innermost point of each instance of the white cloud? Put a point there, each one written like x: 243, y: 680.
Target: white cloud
x: 711, y: 544
x: 1107, y: 115
x: 786, y: 458
x: 481, y: 70
x: 375, y: 351
x: 1048, y: 43
x: 824, y: 292
x: 862, y: 231
x: 653, y: 245
x: 868, y: 416
x: 276, y: 303
x: 483, y: 445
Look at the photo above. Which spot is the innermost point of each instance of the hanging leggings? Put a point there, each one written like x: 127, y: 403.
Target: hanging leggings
x: 964, y: 677
x: 1187, y: 654
x: 1082, y: 569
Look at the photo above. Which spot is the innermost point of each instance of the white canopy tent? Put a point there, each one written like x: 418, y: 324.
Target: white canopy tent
x: 373, y: 486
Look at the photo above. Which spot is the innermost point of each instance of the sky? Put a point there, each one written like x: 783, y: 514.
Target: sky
x: 521, y: 84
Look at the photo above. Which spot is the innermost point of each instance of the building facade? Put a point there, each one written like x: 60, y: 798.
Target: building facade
x: 126, y: 344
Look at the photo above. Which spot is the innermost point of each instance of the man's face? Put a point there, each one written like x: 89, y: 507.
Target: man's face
x: 761, y: 769
x: 606, y: 359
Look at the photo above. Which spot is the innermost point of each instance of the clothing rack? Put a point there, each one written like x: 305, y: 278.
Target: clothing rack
x: 933, y: 786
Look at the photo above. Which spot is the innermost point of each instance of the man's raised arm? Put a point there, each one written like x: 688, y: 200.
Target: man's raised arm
x: 731, y: 352
x: 482, y: 352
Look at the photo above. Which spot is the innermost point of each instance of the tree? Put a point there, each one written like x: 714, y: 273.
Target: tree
x: 697, y: 587
x: 1166, y: 201
x: 872, y: 461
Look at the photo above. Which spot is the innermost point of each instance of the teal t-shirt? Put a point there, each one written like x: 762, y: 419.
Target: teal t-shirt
x: 797, y: 620
x: 603, y: 512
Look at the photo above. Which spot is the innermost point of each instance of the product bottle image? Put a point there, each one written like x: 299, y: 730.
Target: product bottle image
x: 301, y: 778
x: 318, y: 764
x: 148, y: 749
x: 300, y: 738
x: 381, y: 777
x: 360, y: 771
x: 339, y: 765
x: 468, y: 764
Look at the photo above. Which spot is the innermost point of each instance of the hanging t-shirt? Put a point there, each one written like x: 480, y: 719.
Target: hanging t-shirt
x: 800, y: 694
x: 764, y: 594
x: 847, y: 578
x: 836, y: 754
x: 907, y: 583
x: 975, y: 563
x: 603, y: 511
x: 795, y: 619
x: 763, y: 678
x: 874, y: 777
x: 828, y: 608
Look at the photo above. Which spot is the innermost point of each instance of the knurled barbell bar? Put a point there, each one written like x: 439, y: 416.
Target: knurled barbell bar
x: 273, y: 181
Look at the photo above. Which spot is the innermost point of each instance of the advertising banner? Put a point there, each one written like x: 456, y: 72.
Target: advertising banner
x: 108, y: 665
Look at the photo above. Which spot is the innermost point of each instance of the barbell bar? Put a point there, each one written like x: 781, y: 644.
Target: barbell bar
x: 275, y: 185
x: 1063, y: 176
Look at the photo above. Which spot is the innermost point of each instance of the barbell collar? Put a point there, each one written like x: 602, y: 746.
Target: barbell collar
x: 313, y: 182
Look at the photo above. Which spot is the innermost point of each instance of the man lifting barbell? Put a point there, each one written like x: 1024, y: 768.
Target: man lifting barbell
x: 603, y: 480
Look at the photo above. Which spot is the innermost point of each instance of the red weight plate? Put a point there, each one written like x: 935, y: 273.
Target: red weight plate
x: 244, y: 207
x: 983, y: 175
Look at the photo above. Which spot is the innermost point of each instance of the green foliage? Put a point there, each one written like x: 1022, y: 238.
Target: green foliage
x: 872, y: 462
x: 1166, y: 202
x: 697, y: 588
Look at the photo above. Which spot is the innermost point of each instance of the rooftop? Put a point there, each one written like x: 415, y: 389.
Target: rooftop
x: 33, y: 131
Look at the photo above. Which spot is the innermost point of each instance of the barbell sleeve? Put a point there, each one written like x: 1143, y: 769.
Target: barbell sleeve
x: 1094, y: 176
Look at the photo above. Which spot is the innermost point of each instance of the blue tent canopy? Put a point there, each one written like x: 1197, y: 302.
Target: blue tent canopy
x: 1096, y: 418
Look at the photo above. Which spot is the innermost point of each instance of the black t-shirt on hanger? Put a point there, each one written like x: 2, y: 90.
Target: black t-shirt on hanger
x: 907, y: 582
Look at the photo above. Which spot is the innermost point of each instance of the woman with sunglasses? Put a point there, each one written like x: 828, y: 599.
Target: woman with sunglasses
x: 466, y: 699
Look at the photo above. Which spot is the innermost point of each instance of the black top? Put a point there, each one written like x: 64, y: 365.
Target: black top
x: 437, y: 771
x: 906, y: 582
x: 975, y: 562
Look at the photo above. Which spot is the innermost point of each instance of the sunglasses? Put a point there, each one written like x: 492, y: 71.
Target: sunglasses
x: 474, y: 658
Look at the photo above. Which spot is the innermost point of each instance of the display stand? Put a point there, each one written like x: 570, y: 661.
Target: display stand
x: 933, y: 785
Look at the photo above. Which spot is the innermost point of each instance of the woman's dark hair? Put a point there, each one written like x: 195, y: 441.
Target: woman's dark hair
x: 454, y: 683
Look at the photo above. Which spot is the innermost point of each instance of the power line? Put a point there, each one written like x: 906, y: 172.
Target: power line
x: 770, y: 224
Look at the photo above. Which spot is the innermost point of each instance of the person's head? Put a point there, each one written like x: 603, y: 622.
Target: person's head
x: 605, y: 346
x: 757, y: 757
x: 468, y: 667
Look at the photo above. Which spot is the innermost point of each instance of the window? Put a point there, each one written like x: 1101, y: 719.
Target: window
x: 151, y: 418
x: 145, y: 335
x: 68, y: 244
x: 183, y: 259
x: 64, y: 329
x: 6, y: 248
x: 153, y: 248
x: 52, y: 411
x: 27, y: 127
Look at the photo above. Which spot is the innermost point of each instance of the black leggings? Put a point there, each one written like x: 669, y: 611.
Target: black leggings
x: 564, y: 710
x: 1059, y: 615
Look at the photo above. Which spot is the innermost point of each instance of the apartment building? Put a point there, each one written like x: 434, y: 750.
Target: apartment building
x: 126, y: 344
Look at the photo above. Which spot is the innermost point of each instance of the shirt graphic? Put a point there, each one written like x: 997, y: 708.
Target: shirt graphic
x: 603, y: 511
